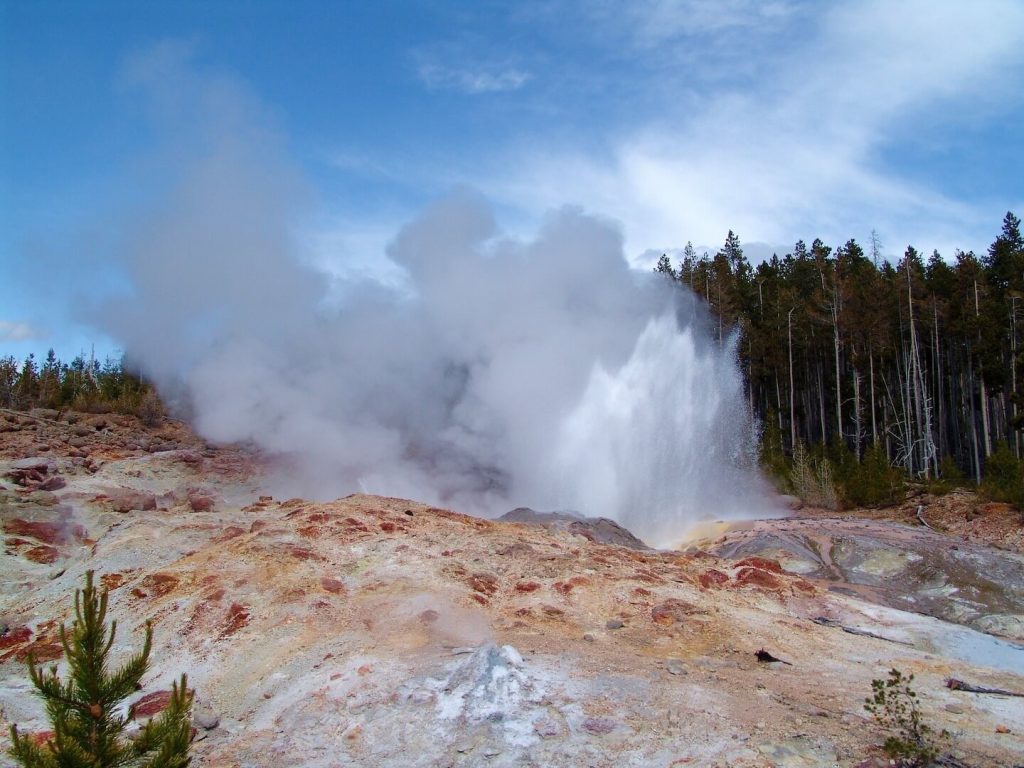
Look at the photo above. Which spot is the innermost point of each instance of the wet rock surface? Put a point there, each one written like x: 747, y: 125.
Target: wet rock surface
x: 897, y: 565
x: 374, y: 631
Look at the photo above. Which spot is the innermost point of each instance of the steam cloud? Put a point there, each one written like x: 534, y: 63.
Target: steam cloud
x: 502, y: 372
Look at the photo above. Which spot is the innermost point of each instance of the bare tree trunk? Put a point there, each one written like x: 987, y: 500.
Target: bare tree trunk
x: 839, y: 398
x: 821, y: 400
x: 984, y: 394
x: 792, y: 410
x: 874, y: 424
x: 856, y: 415
x: 974, y: 420
x: 1013, y: 376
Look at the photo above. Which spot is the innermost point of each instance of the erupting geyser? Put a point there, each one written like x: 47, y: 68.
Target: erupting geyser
x: 503, y: 373
x: 498, y: 373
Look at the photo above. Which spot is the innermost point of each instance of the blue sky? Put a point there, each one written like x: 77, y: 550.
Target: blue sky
x: 680, y: 120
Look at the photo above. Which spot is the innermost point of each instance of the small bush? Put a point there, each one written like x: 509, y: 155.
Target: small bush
x: 950, y: 477
x: 1004, y: 477
x: 893, y: 704
x: 150, y: 410
x: 874, y: 481
x: 811, y: 480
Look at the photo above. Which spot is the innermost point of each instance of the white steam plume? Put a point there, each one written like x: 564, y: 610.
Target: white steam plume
x: 544, y: 373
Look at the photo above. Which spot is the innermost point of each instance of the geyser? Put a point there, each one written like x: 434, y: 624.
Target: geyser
x: 500, y: 372
x: 543, y: 373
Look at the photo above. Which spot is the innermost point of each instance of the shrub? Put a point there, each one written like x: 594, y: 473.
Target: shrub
x: 872, y: 481
x: 88, y: 731
x: 1004, y: 477
x: 811, y: 480
x: 893, y: 704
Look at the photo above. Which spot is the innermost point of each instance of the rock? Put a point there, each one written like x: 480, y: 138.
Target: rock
x: 204, y: 717
x: 599, y: 529
x: 129, y: 501
x: 52, y: 483
x: 956, y: 709
x: 675, y: 667
x: 32, y: 463
x: 588, y: 637
x: 42, y: 498
x: 600, y: 725
x: 613, y: 624
x: 1002, y: 729
x: 547, y: 727
x: 672, y: 611
x: 151, y: 704
x: 200, y: 502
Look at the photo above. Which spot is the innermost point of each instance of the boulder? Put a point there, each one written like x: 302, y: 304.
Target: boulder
x: 128, y: 501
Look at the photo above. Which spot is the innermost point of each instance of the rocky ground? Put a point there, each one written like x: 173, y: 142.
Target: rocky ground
x: 374, y: 631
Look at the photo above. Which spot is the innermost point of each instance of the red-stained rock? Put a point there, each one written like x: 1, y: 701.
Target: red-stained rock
x: 160, y: 584
x: 128, y: 501
x: 151, y: 704
x: 40, y: 738
x: 301, y: 553
x: 229, y: 533
x: 527, y: 586
x: 429, y: 616
x: 59, y: 532
x: 552, y: 611
x: 480, y: 598
x: 672, y: 611
x: 237, y: 618
x: 645, y: 574
x: 757, y: 577
x: 333, y: 585
x: 111, y: 581
x: 15, y: 636
x: 388, y: 527
x: 712, y: 578
x: 641, y: 592
x: 200, y: 502
x: 803, y: 585
x: 760, y: 562
x: 485, y: 583
x: 190, y: 458
x: 53, y: 483
x: 257, y: 525
x: 43, y: 553
x: 41, y: 650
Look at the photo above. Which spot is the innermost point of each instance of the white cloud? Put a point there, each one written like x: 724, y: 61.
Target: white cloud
x: 18, y: 331
x: 474, y: 80
x: 799, y: 151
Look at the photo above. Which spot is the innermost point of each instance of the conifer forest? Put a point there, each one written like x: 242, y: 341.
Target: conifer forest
x: 844, y: 349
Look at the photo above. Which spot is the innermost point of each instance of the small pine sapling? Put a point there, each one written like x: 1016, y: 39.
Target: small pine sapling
x: 88, y: 730
x: 894, y: 706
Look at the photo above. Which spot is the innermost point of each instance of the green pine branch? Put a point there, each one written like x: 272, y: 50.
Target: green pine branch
x: 88, y: 731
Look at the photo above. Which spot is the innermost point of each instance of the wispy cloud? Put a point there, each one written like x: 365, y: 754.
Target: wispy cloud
x: 472, y: 80
x: 18, y: 331
x: 799, y: 150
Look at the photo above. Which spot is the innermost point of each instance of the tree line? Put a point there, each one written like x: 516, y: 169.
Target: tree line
x: 83, y: 385
x: 919, y: 360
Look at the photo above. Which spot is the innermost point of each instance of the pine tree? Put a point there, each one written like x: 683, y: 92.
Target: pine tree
x: 88, y: 732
